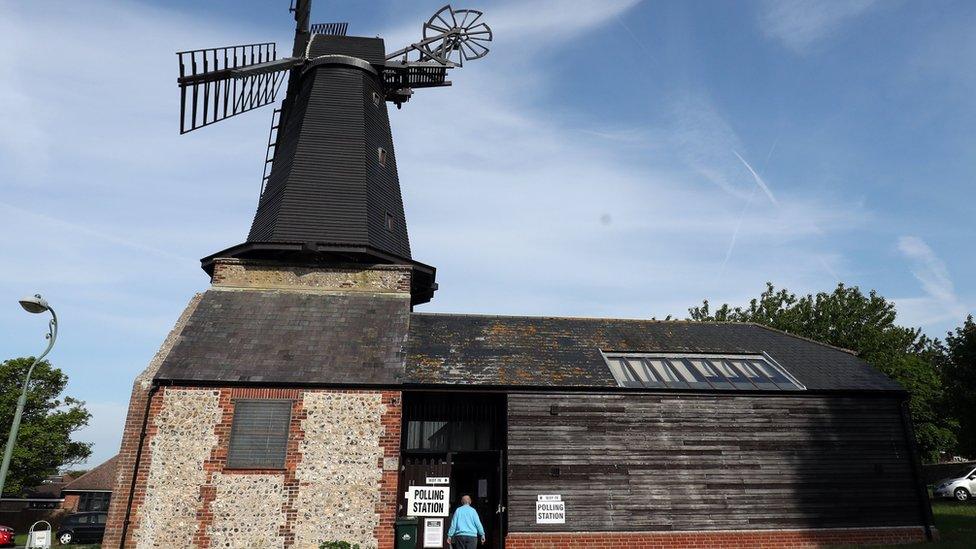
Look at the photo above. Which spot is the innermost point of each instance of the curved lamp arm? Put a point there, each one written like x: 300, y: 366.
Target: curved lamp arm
x: 52, y: 335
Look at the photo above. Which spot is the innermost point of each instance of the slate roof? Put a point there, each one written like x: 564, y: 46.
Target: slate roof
x: 565, y: 352
x: 290, y: 337
x: 367, y: 339
x: 49, y: 489
x: 99, y: 479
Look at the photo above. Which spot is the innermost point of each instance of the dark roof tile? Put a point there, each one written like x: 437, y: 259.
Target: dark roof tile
x: 291, y: 337
x: 101, y: 478
x: 369, y: 339
x: 565, y: 352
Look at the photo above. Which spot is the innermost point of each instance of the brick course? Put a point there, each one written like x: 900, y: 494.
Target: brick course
x: 731, y: 539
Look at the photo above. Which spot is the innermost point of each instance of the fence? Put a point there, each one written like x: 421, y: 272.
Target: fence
x: 935, y: 472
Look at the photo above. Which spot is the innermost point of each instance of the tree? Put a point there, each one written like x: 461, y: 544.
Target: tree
x: 959, y: 375
x: 866, y: 325
x: 44, y: 442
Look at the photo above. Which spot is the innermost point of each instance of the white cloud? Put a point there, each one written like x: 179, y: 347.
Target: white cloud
x: 522, y: 25
x: 940, y: 302
x: 802, y: 24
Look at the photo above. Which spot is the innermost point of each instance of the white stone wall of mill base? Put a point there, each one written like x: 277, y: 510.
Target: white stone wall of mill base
x: 339, y: 474
x: 183, y: 441
x: 248, y: 511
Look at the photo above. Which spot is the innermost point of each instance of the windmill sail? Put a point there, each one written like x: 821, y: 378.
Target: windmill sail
x: 217, y: 83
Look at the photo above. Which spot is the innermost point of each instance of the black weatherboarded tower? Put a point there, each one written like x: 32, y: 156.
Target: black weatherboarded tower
x: 301, y: 400
x: 332, y: 192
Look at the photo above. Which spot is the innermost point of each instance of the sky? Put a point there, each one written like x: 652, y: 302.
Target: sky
x: 617, y: 158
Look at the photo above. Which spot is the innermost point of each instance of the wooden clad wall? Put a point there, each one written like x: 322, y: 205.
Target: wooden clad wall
x: 637, y: 462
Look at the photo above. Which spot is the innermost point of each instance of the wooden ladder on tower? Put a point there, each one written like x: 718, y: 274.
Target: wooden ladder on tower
x: 269, y: 155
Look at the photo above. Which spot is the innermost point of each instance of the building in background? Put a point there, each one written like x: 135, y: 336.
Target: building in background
x: 46, y: 495
x: 301, y: 398
x: 91, y: 491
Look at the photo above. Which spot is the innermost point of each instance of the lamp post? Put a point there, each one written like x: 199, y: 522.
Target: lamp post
x: 36, y: 305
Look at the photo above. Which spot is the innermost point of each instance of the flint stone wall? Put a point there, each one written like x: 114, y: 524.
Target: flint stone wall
x: 247, y: 511
x: 337, y: 490
x: 340, y: 469
x: 183, y: 439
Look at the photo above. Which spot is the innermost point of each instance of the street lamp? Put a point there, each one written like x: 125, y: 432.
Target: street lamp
x: 36, y: 305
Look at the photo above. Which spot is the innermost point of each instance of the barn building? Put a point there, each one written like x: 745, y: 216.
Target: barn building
x: 302, y: 399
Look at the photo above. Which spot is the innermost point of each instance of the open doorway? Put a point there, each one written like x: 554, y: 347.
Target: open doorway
x: 456, y: 440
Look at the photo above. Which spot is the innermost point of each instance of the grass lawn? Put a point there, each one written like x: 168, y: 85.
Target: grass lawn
x: 21, y: 540
x: 956, y: 523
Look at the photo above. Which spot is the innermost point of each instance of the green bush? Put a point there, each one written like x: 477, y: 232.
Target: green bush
x: 338, y: 545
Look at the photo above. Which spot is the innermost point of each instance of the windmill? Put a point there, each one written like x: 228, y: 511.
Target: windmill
x: 217, y: 83
x: 330, y: 190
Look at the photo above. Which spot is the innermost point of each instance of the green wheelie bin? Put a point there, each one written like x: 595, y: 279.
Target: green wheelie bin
x: 406, y: 533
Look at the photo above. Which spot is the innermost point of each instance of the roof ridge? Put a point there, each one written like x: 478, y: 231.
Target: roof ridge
x: 647, y: 320
x: 90, y: 471
x: 558, y: 317
x: 804, y: 338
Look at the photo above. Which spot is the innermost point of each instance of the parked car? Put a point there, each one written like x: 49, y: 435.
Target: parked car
x: 6, y: 536
x: 961, y: 488
x: 82, y: 528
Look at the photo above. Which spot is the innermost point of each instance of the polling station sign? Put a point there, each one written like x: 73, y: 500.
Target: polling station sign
x: 428, y: 501
x: 550, y: 509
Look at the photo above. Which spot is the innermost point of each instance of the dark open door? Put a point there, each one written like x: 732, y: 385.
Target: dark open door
x: 477, y: 474
x: 460, y: 436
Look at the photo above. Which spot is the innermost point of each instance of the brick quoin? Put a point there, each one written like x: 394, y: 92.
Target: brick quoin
x: 216, y: 463
x: 758, y: 539
x: 386, y: 508
x: 127, y: 458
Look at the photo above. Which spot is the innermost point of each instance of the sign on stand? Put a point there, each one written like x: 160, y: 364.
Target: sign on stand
x: 428, y: 501
x: 434, y: 532
x: 550, y: 509
x: 39, y: 537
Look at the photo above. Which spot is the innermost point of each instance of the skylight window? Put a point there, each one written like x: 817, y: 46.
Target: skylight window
x: 700, y: 371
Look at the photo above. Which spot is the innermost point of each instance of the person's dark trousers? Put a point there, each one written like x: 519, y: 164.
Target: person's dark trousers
x: 465, y: 542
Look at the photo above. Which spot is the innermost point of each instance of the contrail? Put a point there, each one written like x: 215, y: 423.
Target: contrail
x: 765, y: 188
x: 759, y: 180
x: 735, y: 234
x: 636, y: 40
x: 107, y: 237
x: 745, y: 208
x: 823, y: 263
x: 770, y: 153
